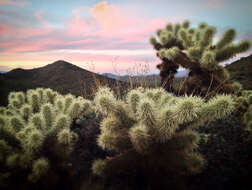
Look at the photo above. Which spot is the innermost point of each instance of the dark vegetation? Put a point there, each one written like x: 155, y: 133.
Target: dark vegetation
x: 241, y: 71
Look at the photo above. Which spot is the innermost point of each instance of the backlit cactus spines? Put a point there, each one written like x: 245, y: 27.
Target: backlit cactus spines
x: 34, y: 100
x: 48, y: 114
x: 68, y: 101
x: 35, y: 131
x: 26, y: 111
x: 39, y: 169
x: 158, y: 124
x: 16, y: 124
x: 244, y: 109
x: 194, y: 49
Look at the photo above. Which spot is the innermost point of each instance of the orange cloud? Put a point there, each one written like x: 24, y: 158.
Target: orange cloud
x: 112, y: 18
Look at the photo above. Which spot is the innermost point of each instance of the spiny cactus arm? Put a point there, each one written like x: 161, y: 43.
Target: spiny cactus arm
x: 21, y: 98
x: 68, y: 101
x: 37, y: 121
x: 34, y: 142
x: 39, y: 169
x: 231, y: 50
x: 227, y: 38
x: 48, y: 114
x: 140, y: 138
x: 188, y: 109
x: 187, y: 140
x: 146, y: 112
x: 116, y: 165
x: 5, y: 150
x: 194, y: 163
x: 62, y: 121
x: 12, y: 161
x: 112, y: 125
x: 167, y: 125
x: 218, y: 107
x: 133, y: 98
x: 114, y: 142
x: 34, y: 100
x: 67, y: 140
x: 2, y: 110
x: 26, y: 111
x: 16, y: 123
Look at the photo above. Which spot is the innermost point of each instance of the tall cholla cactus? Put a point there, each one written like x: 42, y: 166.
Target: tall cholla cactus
x: 35, y: 134
x: 153, y: 131
x: 244, y: 109
x: 193, y: 49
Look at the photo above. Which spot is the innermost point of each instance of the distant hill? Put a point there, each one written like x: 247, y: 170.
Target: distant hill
x: 60, y: 75
x: 110, y: 75
x: 241, y: 71
x: 150, y: 77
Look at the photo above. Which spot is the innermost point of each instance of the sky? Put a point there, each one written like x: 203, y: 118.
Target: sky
x: 105, y: 36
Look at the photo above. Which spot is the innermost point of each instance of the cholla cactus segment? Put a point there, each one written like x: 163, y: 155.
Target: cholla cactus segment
x: 26, y: 111
x: 67, y: 138
x: 140, y: 138
x: 37, y: 121
x: 99, y: 167
x: 133, y: 98
x: 48, y: 114
x: 158, y: 124
x: 34, y: 141
x: 12, y: 161
x: 34, y: 101
x: 146, y: 112
x: 219, y: 107
x: 208, y: 61
x: 39, y: 169
x: 244, y: 109
x: 16, y: 124
x: 226, y: 39
x: 168, y: 125
x: 111, y: 125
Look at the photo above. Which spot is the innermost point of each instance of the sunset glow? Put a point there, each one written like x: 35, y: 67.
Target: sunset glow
x: 104, y: 34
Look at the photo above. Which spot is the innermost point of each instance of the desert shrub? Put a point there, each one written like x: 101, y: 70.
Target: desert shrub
x: 36, y: 136
x: 152, y: 133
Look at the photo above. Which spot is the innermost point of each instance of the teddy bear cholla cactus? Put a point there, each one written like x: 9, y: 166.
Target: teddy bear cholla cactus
x: 179, y: 45
x: 244, y: 108
x: 35, y: 132
x: 154, y: 131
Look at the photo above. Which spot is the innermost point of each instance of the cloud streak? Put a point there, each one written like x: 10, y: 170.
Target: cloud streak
x: 12, y: 2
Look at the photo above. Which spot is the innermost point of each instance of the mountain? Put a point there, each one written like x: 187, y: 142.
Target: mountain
x: 179, y: 74
x: 241, y: 71
x: 110, y: 75
x: 2, y: 72
x: 61, y: 76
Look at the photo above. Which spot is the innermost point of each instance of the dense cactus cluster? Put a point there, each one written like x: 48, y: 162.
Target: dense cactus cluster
x: 179, y: 45
x: 153, y: 131
x: 35, y: 133
x: 244, y: 108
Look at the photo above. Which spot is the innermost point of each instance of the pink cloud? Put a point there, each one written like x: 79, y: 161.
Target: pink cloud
x: 108, y: 27
x: 12, y: 2
x: 215, y: 3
